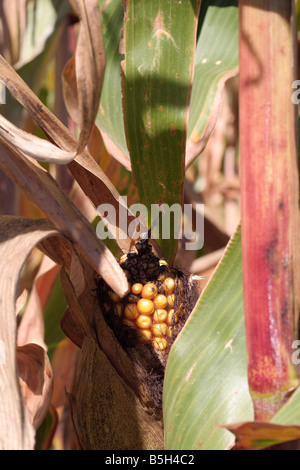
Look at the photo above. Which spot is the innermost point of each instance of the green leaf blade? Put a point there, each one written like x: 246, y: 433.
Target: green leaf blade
x: 110, y: 115
x: 217, y: 59
x: 159, y: 51
x: 206, y: 377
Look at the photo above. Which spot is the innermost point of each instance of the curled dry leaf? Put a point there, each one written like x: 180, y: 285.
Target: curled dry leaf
x: 86, y: 70
x: 36, y: 380
x: 31, y: 328
x: 18, y: 237
x: 85, y: 170
x: 41, y: 188
x: 39, y: 149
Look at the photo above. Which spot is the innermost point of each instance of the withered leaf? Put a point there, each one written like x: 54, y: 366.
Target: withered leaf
x: 36, y: 380
x: 89, y: 63
x: 37, y: 148
x: 18, y: 237
x: 85, y: 170
x: 41, y: 188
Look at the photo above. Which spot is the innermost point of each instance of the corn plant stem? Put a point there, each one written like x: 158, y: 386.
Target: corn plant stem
x: 269, y: 200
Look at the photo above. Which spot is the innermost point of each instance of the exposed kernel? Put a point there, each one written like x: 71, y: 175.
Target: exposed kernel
x: 169, y: 285
x: 170, y: 316
x: 160, y: 301
x: 147, y: 334
x: 145, y: 306
x: 131, y: 312
x: 137, y: 288
x: 163, y: 262
x: 162, y: 276
x: 160, y: 315
x: 160, y: 343
x: 123, y: 258
x: 171, y: 299
x: 160, y: 329
x: 144, y: 321
x: 149, y: 290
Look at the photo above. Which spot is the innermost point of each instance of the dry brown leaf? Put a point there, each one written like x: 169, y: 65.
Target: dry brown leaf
x: 63, y: 365
x: 85, y: 170
x: 31, y: 328
x: 89, y: 65
x: 78, y: 315
x: 40, y: 187
x: 18, y: 237
x: 12, y: 16
x: 69, y: 87
x: 36, y: 380
x: 39, y: 149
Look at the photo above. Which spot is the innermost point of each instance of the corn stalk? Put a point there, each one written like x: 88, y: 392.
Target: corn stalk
x: 269, y: 194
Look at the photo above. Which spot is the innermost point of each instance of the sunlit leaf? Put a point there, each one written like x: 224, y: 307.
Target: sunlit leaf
x: 216, y: 61
x: 159, y: 46
x: 206, y: 376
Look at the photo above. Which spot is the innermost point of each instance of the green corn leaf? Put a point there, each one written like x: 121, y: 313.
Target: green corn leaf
x: 289, y: 414
x: 110, y: 116
x: 206, y: 376
x: 217, y: 59
x: 159, y: 46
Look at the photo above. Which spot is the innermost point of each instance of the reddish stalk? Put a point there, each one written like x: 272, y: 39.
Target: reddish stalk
x: 269, y: 195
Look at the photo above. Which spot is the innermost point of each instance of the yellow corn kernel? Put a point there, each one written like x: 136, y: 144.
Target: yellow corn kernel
x: 144, y: 321
x: 146, y: 333
x: 131, y: 312
x: 171, y: 300
x: 123, y: 258
x: 163, y: 262
x: 160, y: 329
x: 162, y: 276
x: 149, y: 290
x: 169, y: 285
x: 137, y: 288
x: 170, y: 316
x: 160, y: 315
x: 160, y: 301
x: 145, y: 306
x: 160, y: 343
